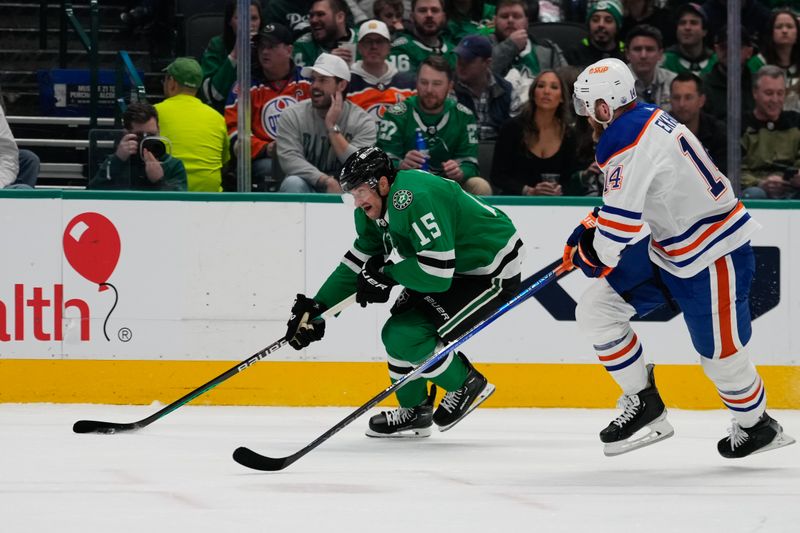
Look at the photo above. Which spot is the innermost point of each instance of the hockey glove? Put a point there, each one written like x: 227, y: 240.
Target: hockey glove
x: 373, y: 285
x: 305, y: 325
x: 569, y: 250
x: 585, y: 257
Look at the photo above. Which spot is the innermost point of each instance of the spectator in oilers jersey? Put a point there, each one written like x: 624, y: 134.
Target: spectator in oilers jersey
x: 275, y: 87
x: 375, y: 83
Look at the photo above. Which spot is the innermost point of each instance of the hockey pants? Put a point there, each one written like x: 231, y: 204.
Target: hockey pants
x: 421, y: 324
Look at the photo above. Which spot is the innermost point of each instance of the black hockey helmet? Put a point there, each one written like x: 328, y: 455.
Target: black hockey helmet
x: 366, y: 165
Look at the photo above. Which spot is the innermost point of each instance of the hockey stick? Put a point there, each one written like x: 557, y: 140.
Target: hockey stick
x: 249, y: 458
x: 95, y: 426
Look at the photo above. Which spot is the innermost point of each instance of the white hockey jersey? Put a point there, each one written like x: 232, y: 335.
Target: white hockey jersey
x: 656, y: 171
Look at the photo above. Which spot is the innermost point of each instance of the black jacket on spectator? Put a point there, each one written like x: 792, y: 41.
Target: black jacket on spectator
x: 715, y: 85
x: 712, y: 133
x: 585, y: 53
x: 499, y: 104
x: 513, y: 165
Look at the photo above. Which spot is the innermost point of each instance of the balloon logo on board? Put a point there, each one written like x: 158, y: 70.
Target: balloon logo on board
x: 92, y: 247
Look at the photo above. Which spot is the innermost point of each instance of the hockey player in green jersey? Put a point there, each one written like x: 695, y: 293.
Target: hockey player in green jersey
x: 460, y: 259
x: 447, y: 127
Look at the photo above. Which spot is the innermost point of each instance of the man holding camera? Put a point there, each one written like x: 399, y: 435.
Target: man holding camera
x: 141, y: 160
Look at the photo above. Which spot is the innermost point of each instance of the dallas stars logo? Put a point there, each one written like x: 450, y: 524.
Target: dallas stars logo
x: 402, y: 199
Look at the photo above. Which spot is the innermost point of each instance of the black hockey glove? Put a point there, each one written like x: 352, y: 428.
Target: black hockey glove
x: 373, y: 285
x: 305, y: 325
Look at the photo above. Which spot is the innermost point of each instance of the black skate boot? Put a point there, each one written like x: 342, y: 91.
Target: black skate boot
x: 404, y: 422
x: 457, y: 404
x: 766, y: 435
x: 642, y: 410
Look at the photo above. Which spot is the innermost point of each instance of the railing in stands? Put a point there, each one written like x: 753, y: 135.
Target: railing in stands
x: 89, y: 42
x: 125, y: 67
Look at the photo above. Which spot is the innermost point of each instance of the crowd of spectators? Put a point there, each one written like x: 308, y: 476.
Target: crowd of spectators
x: 434, y: 81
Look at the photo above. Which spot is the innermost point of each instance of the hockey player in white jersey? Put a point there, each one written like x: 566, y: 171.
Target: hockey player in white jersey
x: 656, y: 171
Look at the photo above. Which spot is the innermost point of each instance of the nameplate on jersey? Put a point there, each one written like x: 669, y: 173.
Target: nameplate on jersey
x: 666, y: 122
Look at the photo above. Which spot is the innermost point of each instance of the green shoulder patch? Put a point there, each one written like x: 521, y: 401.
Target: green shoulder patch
x: 397, y: 109
x: 402, y: 199
x: 400, y: 41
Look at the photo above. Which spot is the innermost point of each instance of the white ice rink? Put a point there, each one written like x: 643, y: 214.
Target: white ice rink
x: 498, y: 471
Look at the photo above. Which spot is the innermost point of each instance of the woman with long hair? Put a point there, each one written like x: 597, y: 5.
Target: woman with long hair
x: 219, y: 60
x: 780, y: 47
x: 535, y: 151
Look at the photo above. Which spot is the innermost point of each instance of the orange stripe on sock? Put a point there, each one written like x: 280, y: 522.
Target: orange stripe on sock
x: 617, y: 355
x: 744, y: 400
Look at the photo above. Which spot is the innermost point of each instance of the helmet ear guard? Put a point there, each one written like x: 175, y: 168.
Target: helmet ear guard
x: 609, y: 80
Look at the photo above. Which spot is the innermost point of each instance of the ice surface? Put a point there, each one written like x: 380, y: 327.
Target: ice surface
x: 501, y: 470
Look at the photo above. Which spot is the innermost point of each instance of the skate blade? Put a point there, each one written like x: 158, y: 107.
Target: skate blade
x: 780, y: 440
x: 659, y: 430
x: 417, y: 433
x: 485, y: 393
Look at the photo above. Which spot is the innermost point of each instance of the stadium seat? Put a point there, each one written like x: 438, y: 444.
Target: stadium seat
x: 565, y: 34
x: 188, y: 8
x: 198, y: 30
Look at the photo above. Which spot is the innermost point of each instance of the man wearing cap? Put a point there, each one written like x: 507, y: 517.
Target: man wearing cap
x: 515, y: 48
x: 604, y: 19
x: 316, y: 136
x: 716, y: 80
x: 690, y: 54
x: 197, y: 132
x: 448, y: 129
x: 329, y: 34
x: 484, y: 93
x: 426, y: 36
x: 275, y: 87
x: 375, y: 83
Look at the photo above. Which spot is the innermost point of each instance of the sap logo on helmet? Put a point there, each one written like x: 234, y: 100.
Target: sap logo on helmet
x: 272, y: 112
x: 598, y: 70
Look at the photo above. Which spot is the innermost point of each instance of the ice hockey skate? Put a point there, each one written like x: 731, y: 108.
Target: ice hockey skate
x: 457, y: 404
x: 766, y: 435
x: 642, y: 411
x: 404, y: 422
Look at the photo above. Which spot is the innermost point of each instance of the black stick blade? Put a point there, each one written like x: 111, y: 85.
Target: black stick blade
x: 256, y: 461
x: 95, y: 426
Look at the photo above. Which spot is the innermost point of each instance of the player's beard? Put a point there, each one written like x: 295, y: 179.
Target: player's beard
x: 597, y: 129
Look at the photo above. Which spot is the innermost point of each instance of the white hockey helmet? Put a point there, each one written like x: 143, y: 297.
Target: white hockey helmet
x: 609, y: 80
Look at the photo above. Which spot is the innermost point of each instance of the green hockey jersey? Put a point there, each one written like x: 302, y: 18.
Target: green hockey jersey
x: 408, y: 53
x: 451, y: 134
x: 438, y: 230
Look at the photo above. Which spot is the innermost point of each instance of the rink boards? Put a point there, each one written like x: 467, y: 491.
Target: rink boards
x: 201, y: 282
